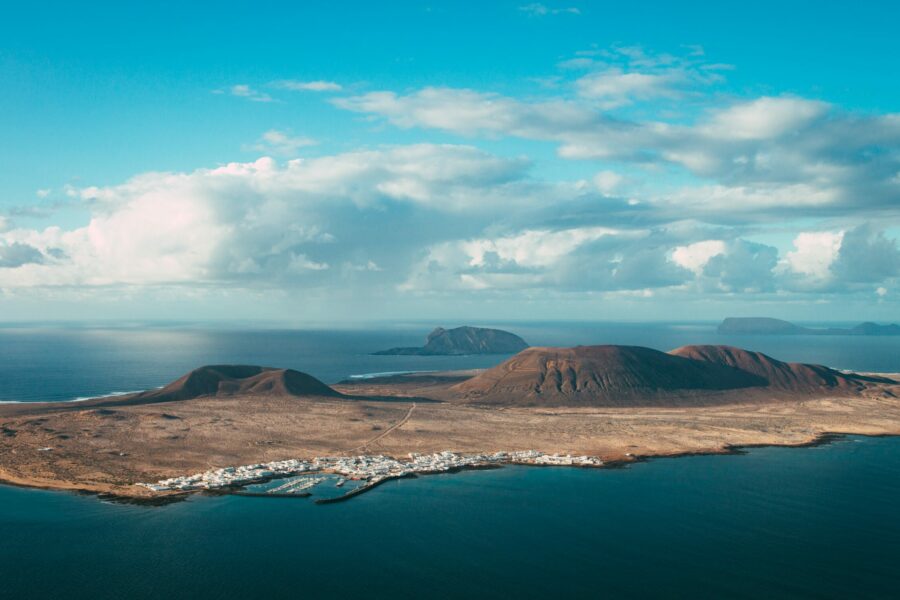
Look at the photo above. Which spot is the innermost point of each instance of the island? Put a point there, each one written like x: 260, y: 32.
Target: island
x: 769, y: 326
x: 464, y: 340
x: 228, y: 428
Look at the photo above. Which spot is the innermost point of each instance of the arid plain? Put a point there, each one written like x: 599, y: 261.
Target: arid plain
x: 109, y: 445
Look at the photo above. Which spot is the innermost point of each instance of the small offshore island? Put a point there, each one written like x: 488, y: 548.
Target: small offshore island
x: 228, y: 427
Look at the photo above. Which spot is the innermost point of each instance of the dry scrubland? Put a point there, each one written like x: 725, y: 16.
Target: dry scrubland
x: 107, y: 449
x: 618, y: 403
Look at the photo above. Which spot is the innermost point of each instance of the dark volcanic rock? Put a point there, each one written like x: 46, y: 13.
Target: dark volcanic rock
x: 231, y: 380
x: 759, y: 325
x: 636, y: 376
x: 464, y: 340
x: 599, y: 376
x: 797, y: 377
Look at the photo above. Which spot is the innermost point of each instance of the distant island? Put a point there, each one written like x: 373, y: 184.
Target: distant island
x: 768, y: 326
x: 227, y: 427
x: 462, y: 341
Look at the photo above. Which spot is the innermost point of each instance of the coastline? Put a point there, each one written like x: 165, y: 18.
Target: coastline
x: 154, y: 451
x: 118, y: 494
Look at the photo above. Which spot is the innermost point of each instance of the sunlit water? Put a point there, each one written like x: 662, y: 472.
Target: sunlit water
x: 63, y: 364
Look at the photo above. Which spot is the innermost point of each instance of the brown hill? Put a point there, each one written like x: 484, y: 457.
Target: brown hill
x: 601, y: 376
x: 232, y: 380
x: 795, y: 377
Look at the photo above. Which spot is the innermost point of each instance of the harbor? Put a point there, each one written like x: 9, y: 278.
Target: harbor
x: 299, y: 478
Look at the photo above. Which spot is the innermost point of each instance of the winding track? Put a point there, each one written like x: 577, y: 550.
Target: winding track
x: 389, y: 430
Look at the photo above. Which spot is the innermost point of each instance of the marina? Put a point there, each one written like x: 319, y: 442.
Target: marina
x: 366, y: 471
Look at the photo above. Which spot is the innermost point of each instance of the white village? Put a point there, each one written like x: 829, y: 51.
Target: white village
x: 368, y: 470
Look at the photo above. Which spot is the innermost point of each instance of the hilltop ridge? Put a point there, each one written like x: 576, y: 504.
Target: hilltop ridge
x: 234, y: 380
x: 636, y: 376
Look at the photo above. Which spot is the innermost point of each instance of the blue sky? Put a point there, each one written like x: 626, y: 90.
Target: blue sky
x: 524, y: 160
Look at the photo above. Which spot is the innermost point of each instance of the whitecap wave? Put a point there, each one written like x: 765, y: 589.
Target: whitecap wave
x: 78, y: 399
x: 384, y: 374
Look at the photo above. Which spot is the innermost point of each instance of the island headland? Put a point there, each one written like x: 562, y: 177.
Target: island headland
x: 464, y: 340
x: 228, y: 425
x: 769, y: 326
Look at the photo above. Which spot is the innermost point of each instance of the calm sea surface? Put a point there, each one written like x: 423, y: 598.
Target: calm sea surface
x: 50, y: 363
x: 775, y: 523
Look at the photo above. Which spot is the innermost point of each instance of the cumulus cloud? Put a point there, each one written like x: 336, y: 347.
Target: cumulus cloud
x: 866, y: 255
x: 732, y: 266
x: 694, y: 257
x: 677, y: 188
x: 269, y: 222
x: 743, y: 267
x: 813, y: 254
x: 576, y: 259
x: 759, y: 154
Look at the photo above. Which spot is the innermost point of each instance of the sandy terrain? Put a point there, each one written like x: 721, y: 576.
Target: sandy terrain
x: 102, y: 447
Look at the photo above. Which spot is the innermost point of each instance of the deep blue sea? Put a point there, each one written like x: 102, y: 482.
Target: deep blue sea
x: 819, y: 522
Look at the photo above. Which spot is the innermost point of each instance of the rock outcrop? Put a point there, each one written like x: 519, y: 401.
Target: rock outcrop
x: 233, y: 380
x: 636, y: 376
x: 464, y: 340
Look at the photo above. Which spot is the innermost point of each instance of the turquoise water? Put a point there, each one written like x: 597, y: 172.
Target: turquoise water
x: 776, y: 523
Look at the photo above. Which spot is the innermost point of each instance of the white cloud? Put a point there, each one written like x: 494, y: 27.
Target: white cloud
x: 301, y: 262
x: 281, y: 143
x: 734, y: 200
x: 608, y: 181
x: 756, y: 155
x: 578, y: 258
x: 473, y: 113
x: 264, y: 221
x: 813, y: 254
x: 308, y: 86
x: 242, y: 90
x: 763, y: 118
x: 533, y: 248
x: 866, y: 256
x: 615, y: 88
x: 694, y: 257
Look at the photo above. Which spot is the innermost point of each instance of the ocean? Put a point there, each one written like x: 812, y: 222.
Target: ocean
x: 41, y: 363
x: 817, y: 522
